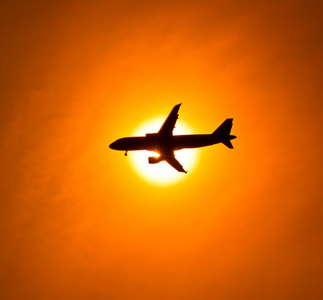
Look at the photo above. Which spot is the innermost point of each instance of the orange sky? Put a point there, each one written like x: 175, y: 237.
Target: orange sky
x: 78, y: 223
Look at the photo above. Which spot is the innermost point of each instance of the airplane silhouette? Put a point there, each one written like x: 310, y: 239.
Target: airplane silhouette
x: 165, y: 143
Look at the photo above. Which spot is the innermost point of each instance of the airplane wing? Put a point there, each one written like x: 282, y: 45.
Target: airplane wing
x: 167, y: 131
x: 175, y: 163
x: 169, y: 124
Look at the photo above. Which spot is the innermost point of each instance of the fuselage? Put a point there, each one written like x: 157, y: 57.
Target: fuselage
x: 153, y: 142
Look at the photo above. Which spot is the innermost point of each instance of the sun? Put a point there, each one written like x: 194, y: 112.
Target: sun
x: 162, y: 173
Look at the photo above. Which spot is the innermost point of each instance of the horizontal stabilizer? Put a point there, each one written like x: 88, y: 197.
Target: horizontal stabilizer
x: 228, y: 144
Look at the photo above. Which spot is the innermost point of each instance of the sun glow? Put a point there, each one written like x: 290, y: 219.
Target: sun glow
x: 162, y: 173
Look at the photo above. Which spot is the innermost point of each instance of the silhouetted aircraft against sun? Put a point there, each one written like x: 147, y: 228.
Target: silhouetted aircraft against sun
x: 165, y: 143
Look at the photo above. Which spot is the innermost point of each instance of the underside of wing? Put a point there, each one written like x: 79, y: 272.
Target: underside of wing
x: 169, y: 124
x: 175, y: 163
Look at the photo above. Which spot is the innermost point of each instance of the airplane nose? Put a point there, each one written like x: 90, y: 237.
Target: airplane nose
x: 117, y: 145
x: 113, y: 146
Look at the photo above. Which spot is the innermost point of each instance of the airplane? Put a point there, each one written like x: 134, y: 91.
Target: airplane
x: 165, y: 143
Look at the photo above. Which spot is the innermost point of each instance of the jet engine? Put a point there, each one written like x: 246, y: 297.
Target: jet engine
x: 153, y: 160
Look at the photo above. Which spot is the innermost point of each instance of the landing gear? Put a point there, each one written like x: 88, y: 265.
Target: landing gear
x: 126, y: 153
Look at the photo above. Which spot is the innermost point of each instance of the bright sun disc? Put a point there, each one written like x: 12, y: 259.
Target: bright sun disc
x: 162, y: 173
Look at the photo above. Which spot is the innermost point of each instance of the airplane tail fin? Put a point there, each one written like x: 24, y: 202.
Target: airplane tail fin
x: 222, y: 133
